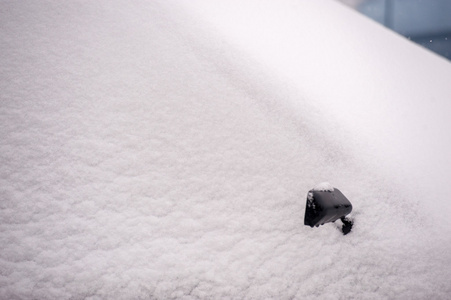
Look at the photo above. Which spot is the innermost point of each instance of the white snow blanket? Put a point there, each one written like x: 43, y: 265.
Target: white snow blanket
x: 164, y: 150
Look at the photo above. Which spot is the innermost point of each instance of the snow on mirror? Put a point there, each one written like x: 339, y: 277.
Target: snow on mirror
x: 327, y: 204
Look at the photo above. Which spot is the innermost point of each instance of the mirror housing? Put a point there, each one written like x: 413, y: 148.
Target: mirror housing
x: 324, y: 206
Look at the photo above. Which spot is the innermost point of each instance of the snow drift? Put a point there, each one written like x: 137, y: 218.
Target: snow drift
x: 164, y: 149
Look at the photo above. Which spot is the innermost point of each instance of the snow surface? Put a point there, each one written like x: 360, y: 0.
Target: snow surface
x: 323, y: 187
x: 164, y: 149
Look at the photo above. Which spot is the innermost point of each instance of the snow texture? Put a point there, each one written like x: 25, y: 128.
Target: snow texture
x: 163, y: 150
x: 323, y: 187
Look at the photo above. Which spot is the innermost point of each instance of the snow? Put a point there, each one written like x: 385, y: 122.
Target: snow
x: 323, y: 187
x: 164, y: 149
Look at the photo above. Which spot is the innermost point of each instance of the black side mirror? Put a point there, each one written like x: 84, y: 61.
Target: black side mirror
x: 327, y: 205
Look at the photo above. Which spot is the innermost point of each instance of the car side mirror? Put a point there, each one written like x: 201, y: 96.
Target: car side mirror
x: 326, y: 205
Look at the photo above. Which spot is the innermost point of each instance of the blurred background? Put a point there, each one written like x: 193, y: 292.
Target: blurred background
x: 426, y: 22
